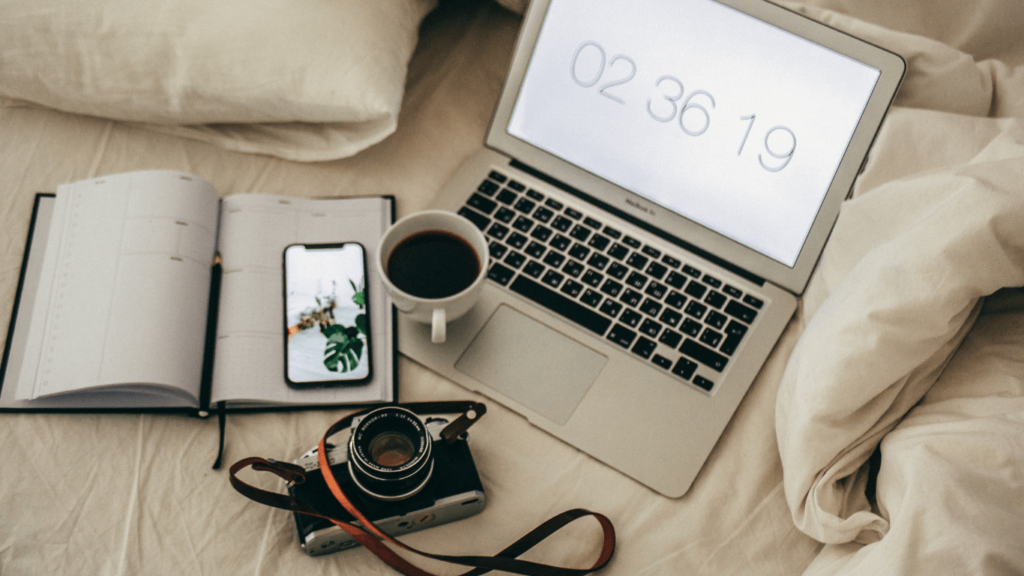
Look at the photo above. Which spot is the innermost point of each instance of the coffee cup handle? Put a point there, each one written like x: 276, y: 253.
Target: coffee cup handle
x: 438, y: 326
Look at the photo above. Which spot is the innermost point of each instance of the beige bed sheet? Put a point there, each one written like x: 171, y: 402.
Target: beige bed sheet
x: 135, y: 494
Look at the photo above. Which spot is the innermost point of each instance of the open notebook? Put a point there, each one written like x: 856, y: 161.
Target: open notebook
x: 121, y: 307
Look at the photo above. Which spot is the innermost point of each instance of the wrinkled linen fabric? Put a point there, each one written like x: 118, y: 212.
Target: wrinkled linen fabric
x: 951, y: 479
x: 885, y: 333
x: 894, y: 356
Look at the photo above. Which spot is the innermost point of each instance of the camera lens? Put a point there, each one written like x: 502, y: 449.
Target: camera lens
x: 391, y: 449
x: 390, y: 454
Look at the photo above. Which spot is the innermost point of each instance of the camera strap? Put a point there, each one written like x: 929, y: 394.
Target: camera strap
x: 373, y: 539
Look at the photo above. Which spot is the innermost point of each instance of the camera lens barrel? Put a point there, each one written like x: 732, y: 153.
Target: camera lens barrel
x: 390, y: 454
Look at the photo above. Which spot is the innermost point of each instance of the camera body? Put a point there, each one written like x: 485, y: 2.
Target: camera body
x: 451, y: 491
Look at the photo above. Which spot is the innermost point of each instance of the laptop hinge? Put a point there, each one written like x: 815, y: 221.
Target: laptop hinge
x: 636, y: 221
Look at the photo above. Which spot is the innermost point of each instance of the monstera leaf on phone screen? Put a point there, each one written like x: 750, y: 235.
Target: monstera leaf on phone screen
x: 345, y: 343
x: 344, y: 346
x: 359, y: 298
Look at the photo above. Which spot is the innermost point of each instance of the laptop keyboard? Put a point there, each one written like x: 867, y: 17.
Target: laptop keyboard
x: 663, y: 310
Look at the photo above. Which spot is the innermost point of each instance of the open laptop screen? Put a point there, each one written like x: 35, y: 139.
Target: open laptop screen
x: 726, y: 120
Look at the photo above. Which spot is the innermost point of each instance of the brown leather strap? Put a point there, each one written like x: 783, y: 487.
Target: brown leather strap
x: 374, y: 539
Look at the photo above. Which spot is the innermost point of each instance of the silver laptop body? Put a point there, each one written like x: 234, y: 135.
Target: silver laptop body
x: 658, y: 182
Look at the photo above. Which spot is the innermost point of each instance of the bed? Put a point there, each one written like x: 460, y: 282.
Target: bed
x: 885, y: 435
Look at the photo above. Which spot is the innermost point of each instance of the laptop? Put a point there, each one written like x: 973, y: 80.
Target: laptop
x: 657, y: 184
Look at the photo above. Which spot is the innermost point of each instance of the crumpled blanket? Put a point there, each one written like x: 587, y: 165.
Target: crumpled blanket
x: 887, y: 317
x: 900, y: 417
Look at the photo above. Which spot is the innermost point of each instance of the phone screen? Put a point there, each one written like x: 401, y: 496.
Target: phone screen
x: 327, y: 338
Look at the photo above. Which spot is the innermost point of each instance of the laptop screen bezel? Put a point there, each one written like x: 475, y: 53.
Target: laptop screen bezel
x: 795, y: 278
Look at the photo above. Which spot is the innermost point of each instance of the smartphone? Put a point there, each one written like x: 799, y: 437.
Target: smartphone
x: 326, y: 322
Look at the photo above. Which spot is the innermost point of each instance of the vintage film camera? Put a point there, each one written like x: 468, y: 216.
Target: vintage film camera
x: 397, y: 471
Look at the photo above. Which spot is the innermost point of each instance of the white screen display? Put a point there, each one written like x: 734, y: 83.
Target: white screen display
x: 728, y: 121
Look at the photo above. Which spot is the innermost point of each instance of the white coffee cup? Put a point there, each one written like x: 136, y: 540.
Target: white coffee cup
x: 434, y: 311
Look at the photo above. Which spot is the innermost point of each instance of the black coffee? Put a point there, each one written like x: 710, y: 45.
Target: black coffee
x: 433, y: 264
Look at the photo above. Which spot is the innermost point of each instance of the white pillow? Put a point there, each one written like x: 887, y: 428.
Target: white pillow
x: 340, y: 64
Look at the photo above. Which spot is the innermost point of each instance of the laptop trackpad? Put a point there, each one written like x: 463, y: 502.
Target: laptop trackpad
x: 532, y: 364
